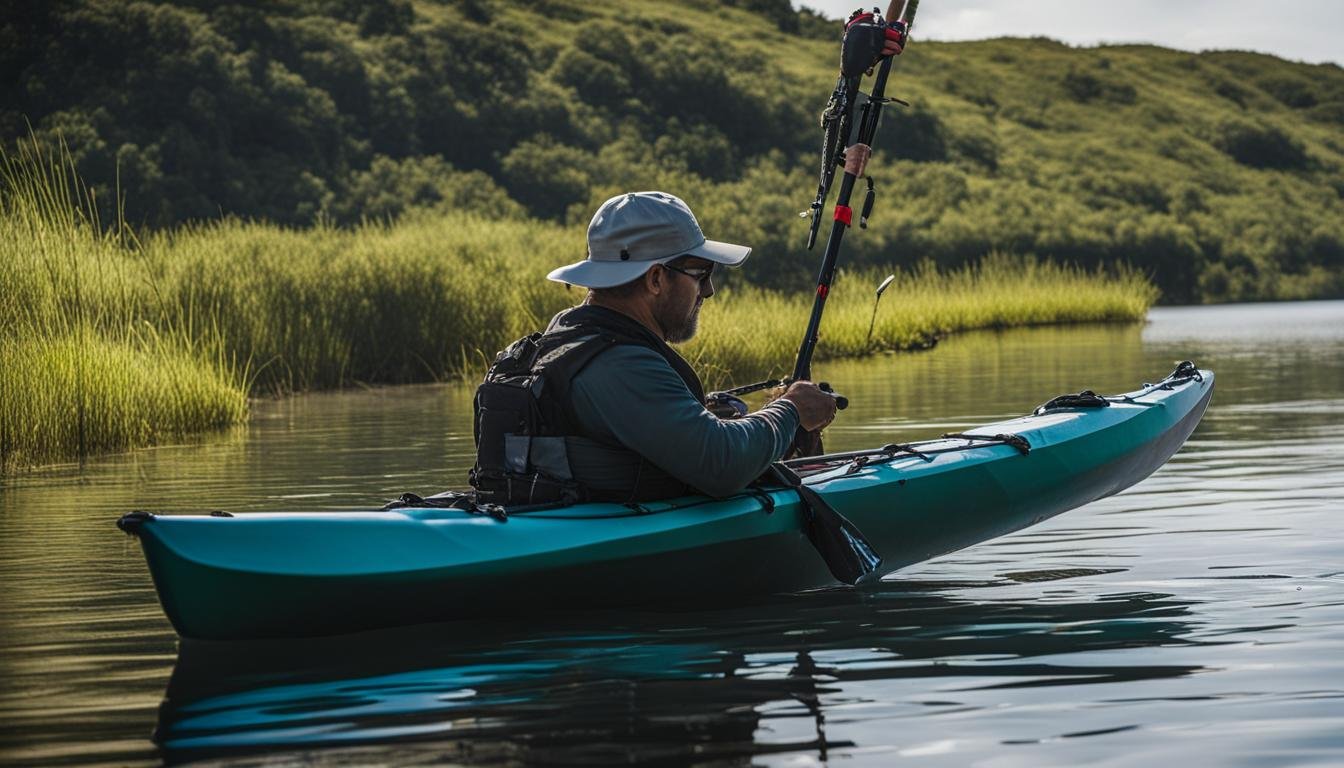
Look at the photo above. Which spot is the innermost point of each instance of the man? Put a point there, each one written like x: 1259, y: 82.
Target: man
x: 601, y: 408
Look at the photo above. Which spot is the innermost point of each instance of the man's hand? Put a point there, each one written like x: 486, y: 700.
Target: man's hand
x: 816, y: 409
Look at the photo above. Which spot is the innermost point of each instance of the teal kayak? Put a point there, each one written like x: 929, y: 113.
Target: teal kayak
x: 294, y: 574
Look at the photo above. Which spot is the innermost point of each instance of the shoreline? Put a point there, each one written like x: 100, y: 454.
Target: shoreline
x: 68, y: 460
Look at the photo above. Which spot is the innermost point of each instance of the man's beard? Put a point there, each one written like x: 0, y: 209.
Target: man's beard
x: 679, y: 329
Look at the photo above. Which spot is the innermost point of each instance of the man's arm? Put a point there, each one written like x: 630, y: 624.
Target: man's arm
x: 633, y: 395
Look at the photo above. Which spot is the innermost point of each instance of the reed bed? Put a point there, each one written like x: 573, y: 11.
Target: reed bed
x: 756, y: 333
x: 83, y: 369
x: 434, y: 299
x: 74, y: 396
x: 422, y: 300
x: 108, y: 341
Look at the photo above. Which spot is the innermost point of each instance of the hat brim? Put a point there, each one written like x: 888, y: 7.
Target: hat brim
x: 609, y: 274
x: 722, y: 253
x: 602, y: 274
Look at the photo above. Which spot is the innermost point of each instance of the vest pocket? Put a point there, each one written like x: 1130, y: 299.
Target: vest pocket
x: 549, y: 457
x: 516, y: 450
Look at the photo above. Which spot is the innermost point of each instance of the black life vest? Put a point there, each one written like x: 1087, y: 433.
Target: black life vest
x: 523, y: 410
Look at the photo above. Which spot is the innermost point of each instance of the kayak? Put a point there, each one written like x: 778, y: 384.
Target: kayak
x: 288, y: 574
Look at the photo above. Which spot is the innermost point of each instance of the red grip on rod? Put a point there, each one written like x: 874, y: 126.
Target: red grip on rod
x: 844, y: 213
x: 823, y: 289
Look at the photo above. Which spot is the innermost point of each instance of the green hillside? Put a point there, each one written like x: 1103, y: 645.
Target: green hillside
x: 1220, y: 174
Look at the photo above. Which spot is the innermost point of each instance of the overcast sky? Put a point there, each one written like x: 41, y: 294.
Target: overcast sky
x: 1303, y: 30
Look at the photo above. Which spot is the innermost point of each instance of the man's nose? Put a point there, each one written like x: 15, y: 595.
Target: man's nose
x: 707, y: 288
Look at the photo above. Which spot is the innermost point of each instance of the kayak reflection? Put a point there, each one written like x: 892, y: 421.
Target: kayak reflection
x: 603, y: 688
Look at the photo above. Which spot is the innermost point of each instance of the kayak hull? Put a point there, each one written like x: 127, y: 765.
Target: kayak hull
x: 295, y: 574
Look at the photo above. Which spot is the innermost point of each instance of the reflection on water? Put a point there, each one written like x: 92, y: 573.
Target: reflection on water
x: 1200, y: 613
x: 612, y: 688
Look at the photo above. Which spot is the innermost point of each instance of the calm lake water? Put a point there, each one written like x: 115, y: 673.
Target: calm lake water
x: 1198, y: 617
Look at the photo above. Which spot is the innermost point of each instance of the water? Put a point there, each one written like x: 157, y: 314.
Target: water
x: 1197, y: 617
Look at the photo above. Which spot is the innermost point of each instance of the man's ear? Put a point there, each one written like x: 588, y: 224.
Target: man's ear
x: 653, y: 280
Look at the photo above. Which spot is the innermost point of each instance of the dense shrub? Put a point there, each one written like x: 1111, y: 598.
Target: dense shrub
x: 1085, y: 87
x: 700, y: 149
x: 1260, y: 146
x: 777, y: 12
x: 979, y: 147
x: 391, y: 188
x: 1231, y: 91
x: 1102, y: 187
x: 595, y: 80
x: 547, y: 176
x: 1295, y: 92
x: 918, y: 134
x: 1329, y: 112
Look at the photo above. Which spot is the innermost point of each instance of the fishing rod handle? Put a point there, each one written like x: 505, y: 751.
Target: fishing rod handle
x: 856, y: 158
x: 843, y: 212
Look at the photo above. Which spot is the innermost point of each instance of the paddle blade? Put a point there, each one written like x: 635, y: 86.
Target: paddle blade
x: 848, y: 555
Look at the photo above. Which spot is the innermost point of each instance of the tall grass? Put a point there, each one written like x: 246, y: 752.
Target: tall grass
x: 82, y: 368
x: 109, y: 341
x: 72, y: 396
x: 755, y: 332
x: 435, y: 298
x: 420, y: 301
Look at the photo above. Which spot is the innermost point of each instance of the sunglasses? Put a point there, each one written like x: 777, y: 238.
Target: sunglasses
x: 701, y: 274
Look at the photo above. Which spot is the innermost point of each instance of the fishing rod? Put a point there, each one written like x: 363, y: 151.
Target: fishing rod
x: 866, y: 36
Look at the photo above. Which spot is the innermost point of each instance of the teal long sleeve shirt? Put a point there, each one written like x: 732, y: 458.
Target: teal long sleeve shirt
x: 634, y: 405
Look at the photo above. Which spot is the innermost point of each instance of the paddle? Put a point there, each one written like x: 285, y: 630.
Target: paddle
x: 841, y: 544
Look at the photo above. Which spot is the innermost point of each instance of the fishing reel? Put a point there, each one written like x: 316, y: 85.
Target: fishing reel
x: 727, y: 404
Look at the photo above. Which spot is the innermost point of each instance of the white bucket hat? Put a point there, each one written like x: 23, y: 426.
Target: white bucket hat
x: 634, y: 231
